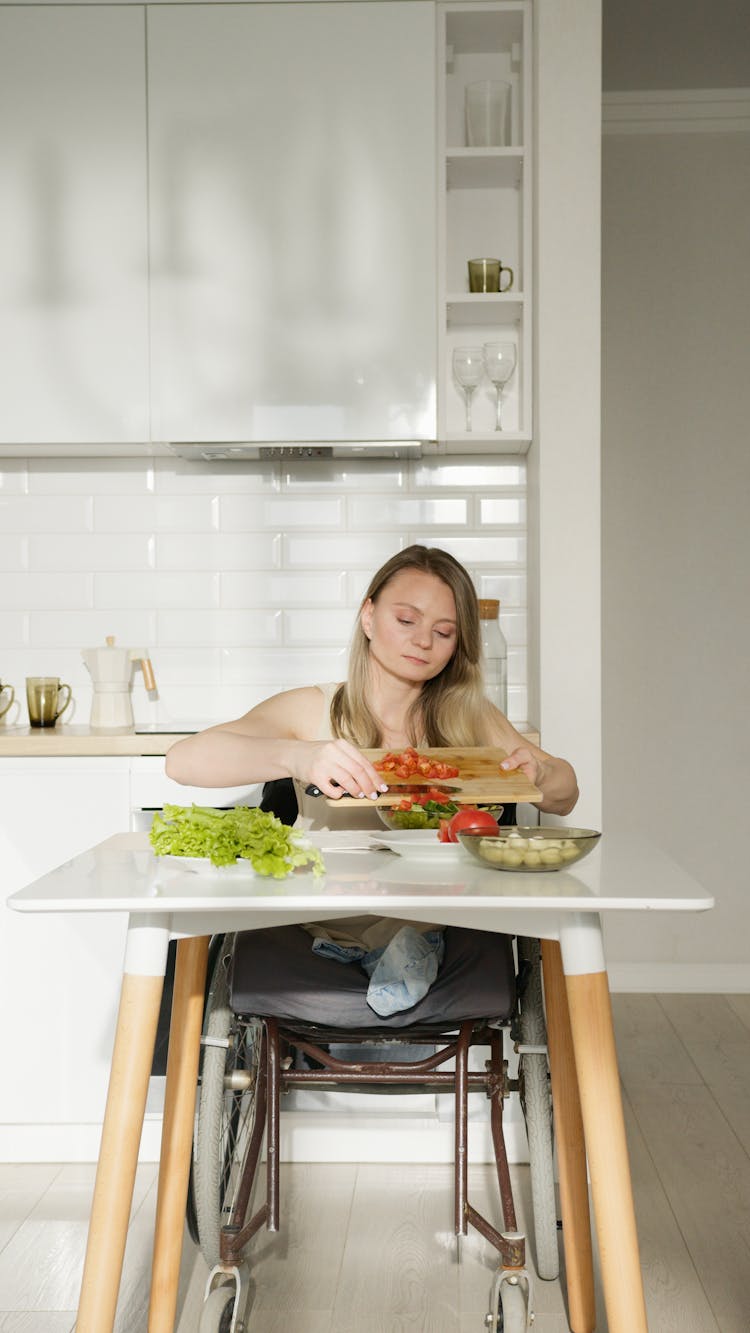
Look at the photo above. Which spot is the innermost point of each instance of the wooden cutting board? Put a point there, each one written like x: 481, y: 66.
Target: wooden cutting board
x: 480, y: 779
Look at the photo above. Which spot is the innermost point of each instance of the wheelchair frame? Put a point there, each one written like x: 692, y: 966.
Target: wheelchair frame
x: 239, y: 1106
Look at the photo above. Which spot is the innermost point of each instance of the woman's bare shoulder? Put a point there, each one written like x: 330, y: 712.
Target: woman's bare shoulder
x: 294, y: 713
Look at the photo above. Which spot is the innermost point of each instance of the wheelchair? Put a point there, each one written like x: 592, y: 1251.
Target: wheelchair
x: 276, y: 1018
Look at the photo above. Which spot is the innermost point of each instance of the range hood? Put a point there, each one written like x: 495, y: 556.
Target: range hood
x: 301, y: 450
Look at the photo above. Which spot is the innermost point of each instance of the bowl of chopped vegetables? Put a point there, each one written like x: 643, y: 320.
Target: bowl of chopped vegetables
x: 425, y: 809
x: 529, y: 849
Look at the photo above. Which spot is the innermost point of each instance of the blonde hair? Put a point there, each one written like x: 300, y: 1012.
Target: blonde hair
x: 451, y: 708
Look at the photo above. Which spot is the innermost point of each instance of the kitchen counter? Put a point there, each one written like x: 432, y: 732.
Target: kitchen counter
x: 66, y: 741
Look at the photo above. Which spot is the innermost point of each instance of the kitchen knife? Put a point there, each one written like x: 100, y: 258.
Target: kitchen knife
x: 401, y: 785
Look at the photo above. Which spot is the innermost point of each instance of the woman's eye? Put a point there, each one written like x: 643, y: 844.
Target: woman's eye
x: 404, y: 622
x: 443, y: 633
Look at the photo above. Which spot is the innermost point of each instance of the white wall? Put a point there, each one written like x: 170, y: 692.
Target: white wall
x: 676, y: 536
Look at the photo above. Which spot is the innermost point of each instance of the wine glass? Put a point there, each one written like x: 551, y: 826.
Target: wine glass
x: 468, y: 368
x: 499, y: 362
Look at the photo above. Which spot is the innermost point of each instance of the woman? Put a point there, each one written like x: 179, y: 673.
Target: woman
x: 414, y: 679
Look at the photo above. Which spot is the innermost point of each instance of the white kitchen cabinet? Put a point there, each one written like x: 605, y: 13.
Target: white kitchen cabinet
x: 59, y: 976
x: 485, y: 211
x: 292, y: 217
x: 73, y: 225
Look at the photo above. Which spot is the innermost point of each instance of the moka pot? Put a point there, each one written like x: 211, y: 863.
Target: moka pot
x: 111, y: 671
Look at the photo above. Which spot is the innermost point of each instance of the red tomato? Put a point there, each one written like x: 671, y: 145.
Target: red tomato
x: 479, y: 821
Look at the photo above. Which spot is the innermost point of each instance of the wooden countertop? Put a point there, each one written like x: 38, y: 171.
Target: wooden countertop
x: 66, y: 741
x: 71, y: 741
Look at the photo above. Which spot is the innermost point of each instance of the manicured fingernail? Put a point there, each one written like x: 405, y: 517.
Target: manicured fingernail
x: 361, y: 795
x: 373, y: 796
x: 384, y: 786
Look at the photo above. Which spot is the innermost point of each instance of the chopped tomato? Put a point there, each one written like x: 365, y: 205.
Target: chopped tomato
x: 409, y: 763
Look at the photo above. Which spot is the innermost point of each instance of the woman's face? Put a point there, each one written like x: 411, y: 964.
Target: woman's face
x: 411, y: 626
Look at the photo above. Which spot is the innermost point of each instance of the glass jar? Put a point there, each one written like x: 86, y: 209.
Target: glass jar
x: 494, y: 654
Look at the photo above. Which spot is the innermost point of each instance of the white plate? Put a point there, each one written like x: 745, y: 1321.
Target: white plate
x: 201, y: 865
x: 420, y: 843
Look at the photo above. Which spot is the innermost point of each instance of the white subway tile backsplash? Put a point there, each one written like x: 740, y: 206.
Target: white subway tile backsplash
x: 156, y: 589
x: 475, y: 473
x: 363, y: 550
x: 14, y: 476
x: 364, y: 474
x: 96, y: 551
x: 156, y: 513
x: 239, y: 579
x: 220, y: 628
x: 489, y: 550
x: 87, y: 629
x: 95, y: 476
x: 286, y: 667
x: 14, y: 555
x: 322, y: 589
x: 310, y: 511
x: 199, y: 663
x: 502, y: 509
x: 509, y: 589
x: 45, y: 514
x: 219, y: 551
x: 301, y: 627
x: 35, y: 591
x: 180, y: 477
x: 401, y: 511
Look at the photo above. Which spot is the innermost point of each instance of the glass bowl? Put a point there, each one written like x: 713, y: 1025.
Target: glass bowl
x: 530, y: 850
x: 417, y: 818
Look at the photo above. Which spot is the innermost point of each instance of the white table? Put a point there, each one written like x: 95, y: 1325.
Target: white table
x: 563, y: 909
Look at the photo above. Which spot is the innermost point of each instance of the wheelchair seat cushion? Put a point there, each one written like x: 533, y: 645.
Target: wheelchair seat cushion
x: 276, y: 974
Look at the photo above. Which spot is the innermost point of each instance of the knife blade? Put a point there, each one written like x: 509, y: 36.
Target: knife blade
x: 405, y: 788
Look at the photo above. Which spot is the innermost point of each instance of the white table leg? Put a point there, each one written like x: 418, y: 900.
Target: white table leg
x: 132, y: 1058
x: 604, y: 1126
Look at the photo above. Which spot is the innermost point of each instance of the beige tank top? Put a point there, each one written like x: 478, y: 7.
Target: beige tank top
x: 314, y: 811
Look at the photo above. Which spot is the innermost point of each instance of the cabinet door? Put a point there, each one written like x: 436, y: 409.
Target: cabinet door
x: 292, y: 161
x: 73, y: 225
x: 59, y: 975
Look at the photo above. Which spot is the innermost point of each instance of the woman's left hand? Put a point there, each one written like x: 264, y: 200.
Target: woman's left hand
x: 528, y: 763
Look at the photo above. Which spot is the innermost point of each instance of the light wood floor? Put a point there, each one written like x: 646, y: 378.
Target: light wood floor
x: 369, y: 1249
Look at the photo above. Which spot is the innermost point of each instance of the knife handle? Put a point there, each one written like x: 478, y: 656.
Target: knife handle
x: 312, y: 790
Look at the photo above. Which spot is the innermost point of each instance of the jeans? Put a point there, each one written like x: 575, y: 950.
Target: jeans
x: 400, y: 974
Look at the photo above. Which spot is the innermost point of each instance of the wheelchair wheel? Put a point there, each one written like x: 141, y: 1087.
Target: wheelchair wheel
x: 512, y: 1309
x: 226, y: 1108
x: 216, y: 1315
x: 536, y: 1103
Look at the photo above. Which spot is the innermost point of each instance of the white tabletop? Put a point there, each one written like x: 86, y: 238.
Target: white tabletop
x: 122, y: 874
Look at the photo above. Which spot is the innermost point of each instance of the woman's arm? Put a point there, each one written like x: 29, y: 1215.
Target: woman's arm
x: 276, y: 739
x: 554, y: 777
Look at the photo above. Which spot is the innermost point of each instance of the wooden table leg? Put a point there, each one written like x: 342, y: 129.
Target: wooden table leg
x: 571, y: 1149
x: 177, y: 1129
x: 603, y: 1121
x: 140, y: 998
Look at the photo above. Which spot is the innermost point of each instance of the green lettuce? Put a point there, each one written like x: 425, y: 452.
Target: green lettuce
x: 223, y: 836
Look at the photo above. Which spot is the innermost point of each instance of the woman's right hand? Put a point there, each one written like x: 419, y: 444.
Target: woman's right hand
x: 338, y: 768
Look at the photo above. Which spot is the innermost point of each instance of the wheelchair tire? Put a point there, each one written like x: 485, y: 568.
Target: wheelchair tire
x: 536, y: 1103
x: 216, y: 1315
x: 512, y: 1309
x: 226, y: 1113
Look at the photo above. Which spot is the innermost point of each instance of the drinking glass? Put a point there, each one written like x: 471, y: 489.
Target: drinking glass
x: 468, y: 368
x: 499, y: 362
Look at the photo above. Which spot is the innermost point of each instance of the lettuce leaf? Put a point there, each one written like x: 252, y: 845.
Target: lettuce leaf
x: 254, y: 835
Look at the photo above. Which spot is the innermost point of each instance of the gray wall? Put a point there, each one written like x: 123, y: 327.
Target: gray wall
x: 676, y: 549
